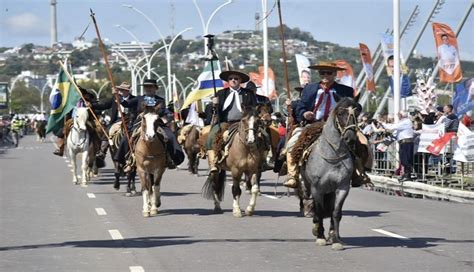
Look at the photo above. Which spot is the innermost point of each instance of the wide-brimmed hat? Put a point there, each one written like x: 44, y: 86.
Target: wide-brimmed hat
x: 251, y: 86
x: 225, y: 75
x: 299, y: 89
x: 149, y: 82
x: 326, y: 65
x: 124, y: 86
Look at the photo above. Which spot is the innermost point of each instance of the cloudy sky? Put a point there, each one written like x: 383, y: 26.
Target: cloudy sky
x: 346, y: 22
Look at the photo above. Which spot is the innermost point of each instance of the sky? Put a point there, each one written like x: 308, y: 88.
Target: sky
x: 345, y: 22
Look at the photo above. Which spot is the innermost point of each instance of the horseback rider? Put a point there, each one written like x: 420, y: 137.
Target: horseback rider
x: 229, y: 106
x: 174, y: 154
x: 317, y: 101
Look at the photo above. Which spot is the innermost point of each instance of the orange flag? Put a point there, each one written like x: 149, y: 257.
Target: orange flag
x: 346, y: 77
x: 271, y: 82
x: 448, y: 54
x: 368, y: 68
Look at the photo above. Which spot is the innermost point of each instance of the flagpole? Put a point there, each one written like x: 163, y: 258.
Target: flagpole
x: 211, y: 58
x: 71, y: 79
x: 111, y: 79
x: 285, y: 65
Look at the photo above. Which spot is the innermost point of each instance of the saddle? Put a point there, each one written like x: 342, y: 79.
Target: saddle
x: 306, y: 142
x: 221, y: 144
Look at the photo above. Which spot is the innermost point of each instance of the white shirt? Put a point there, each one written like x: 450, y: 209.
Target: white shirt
x: 319, y: 114
x: 448, y: 58
x: 39, y: 117
x: 403, y: 129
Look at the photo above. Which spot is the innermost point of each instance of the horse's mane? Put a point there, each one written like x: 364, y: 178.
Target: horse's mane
x: 345, y: 103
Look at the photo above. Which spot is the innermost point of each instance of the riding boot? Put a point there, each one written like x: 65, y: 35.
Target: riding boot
x: 103, y: 149
x: 211, y: 156
x: 169, y: 161
x: 60, y: 151
x: 293, y: 172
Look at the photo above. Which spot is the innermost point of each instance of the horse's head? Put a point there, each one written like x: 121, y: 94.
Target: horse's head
x: 249, y: 125
x: 345, y: 117
x: 150, y: 122
x: 80, y: 119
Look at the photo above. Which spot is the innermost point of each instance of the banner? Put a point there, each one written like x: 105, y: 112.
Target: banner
x: 369, y: 70
x: 387, y: 49
x: 3, y: 95
x: 464, y: 151
x: 346, y: 77
x: 304, y: 72
x: 205, y: 85
x: 429, y: 133
x: 271, y: 83
x: 463, y: 99
x: 448, y: 54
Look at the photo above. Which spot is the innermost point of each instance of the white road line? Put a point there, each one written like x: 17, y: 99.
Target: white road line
x: 136, y: 269
x: 100, y: 211
x: 270, y: 196
x: 115, y: 234
x: 66, y: 160
x: 90, y: 195
x: 391, y: 234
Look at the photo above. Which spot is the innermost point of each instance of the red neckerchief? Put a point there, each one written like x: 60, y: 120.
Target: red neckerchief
x: 328, y: 101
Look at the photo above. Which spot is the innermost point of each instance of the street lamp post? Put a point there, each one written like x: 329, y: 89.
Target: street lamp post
x: 140, y: 44
x: 205, y: 26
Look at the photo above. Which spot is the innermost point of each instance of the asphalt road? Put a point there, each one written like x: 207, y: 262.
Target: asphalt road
x: 49, y: 224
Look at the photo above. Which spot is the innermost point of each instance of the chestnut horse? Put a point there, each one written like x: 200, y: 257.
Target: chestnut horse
x: 191, y: 147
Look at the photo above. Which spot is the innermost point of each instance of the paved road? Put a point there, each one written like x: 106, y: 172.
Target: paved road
x: 49, y: 224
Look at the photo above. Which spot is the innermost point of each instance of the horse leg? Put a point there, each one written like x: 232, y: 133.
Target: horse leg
x: 236, y: 192
x: 248, y: 183
x: 72, y: 156
x: 336, y: 219
x: 318, y: 228
x: 253, y: 198
x: 145, y: 193
x: 85, y: 168
x: 131, y: 179
x: 196, y: 164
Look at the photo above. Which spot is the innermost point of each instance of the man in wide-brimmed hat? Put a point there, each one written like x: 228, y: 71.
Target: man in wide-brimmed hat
x: 317, y: 100
x: 230, y: 104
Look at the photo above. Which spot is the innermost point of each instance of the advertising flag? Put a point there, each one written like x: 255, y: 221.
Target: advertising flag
x: 448, y: 53
x: 463, y: 99
x: 369, y: 70
x: 387, y: 49
x: 3, y: 95
x: 346, y: 77
x: 205, y: 87
x: 271, y: 83
x: 304, y: 72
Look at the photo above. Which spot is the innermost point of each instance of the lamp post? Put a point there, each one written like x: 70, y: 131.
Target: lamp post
x: 139, y: 43
x: 205, y: 26
x: 167, y: 46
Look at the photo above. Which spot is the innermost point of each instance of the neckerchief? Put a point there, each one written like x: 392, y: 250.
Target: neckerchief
x: 326, y: 93
x: 228, y: 101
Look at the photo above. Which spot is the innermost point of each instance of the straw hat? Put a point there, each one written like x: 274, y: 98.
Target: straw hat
x: 325, y: 65
x: 124, y: 86
x: 225, y: 75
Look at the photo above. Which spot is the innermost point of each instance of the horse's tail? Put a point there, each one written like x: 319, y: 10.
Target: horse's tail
x: 215, y: 184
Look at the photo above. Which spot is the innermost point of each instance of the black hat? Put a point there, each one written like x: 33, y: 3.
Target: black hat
x: 299, y: 89
x: 251, y: 86
x: 149, y: 82
x: 225, y: 75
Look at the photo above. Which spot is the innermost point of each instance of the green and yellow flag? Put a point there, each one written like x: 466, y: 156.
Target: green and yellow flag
x: 63, y: 99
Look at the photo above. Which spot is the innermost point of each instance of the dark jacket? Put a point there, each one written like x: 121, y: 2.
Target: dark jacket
x: 136, y: 105
x: 309, y: 93
x: 249, y: 101
x: 110, y: 104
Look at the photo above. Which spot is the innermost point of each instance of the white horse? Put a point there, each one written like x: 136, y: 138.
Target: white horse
x: 78, y: 142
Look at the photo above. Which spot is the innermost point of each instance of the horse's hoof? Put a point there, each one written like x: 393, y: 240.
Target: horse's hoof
x: 84, y: 185
x: 146, y: 214
x: 153, y: 212
x: 337, y: 246
x: 217, y: 209
x: 237, y: 213
x: 133, y: 192
x: 247, y: 191
x: 128, y: 194
x: 249, y: 211
x: 320, y: 242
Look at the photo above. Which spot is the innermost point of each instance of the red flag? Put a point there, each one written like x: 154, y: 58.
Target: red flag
x: 448, y: 53
x: 368, y: 68
x: 437, y: 145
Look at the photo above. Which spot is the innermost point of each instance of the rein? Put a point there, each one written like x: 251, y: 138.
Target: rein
x: 79, y: 132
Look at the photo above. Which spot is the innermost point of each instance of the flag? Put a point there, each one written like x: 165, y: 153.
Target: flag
x: 369, y: 70
x: 429, y: 133
x: 271, y: 83
x: 63, y: 99
x: 175, y: 100
x: 437, y: 145
x: 304, y: 72
x: 448, y: 54
x: 463, y: 99
x: 205, y: 86
x: 346, y: 77
x: 387, y: 49
x: 465, y: 145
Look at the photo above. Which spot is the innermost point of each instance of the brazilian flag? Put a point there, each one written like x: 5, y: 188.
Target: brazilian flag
x: 63, y: 99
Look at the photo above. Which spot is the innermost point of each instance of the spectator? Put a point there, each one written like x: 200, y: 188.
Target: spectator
x: 451, y: 121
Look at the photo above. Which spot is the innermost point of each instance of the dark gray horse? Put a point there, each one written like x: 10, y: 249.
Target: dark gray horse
x: 329, y: 169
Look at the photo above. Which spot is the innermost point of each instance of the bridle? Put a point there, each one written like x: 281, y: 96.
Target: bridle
x: 79, y: 131
x: 352, y: 119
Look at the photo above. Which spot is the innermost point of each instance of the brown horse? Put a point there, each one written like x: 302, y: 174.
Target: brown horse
x: 246, y: 155
x: 150, y: 160
x: 192, y: 148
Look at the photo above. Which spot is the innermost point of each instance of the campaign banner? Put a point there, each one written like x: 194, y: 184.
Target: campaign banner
x: 346, y: 76
x: 429, y: 133
x: 448, y: 53
x: 464, y: 151
x: 368, y: 68
x: 3, y: 95
x: 463, y: 98
x: 387, y: 50
x: 271, y: 83
x: 304, y: 72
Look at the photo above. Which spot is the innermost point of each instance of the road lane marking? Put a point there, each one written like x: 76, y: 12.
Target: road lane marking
x: 270, y: 196
x: 66, y: 160
x: 115, y: 234
x: 90, y: 195
x: 100, y: 211
x: 391, y: 234
x: 136, y: 269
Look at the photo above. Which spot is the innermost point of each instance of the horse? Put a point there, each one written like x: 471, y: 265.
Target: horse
x: 150, y: 155
x: 191, y: 147
x: 246, y: 155
x: 116, y: 136
x: 78, y: 141
x: 40, y: 127
x: 329, y: 169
